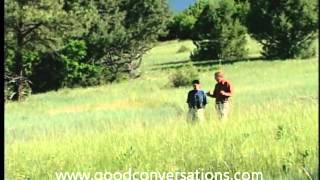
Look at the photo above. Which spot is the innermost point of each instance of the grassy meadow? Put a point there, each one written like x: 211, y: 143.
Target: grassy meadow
x: 141, y: 123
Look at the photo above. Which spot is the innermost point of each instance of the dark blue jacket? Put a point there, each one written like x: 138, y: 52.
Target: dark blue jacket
x: 197, y: 99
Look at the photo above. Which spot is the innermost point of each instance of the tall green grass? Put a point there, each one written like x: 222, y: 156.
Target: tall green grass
x: 140, y: 124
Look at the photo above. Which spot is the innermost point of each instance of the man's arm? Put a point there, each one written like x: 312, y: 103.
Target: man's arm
x: 204, y: 99
x: 214, y: 93
x: 188, y: 99
x: 230, y: 91
x: 226, y: 93
x: 210, y: 95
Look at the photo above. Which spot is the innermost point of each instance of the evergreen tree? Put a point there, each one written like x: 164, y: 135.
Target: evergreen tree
x: 218, y: 32
x: 123, y: 32
x: 33, y: 27
x: 286, y: 29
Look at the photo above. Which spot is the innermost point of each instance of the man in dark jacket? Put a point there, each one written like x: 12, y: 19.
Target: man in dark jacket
x: 197, y: 101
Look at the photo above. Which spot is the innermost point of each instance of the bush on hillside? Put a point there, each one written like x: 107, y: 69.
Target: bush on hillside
x: 183, y: 77
x: 218, y: 32
x: 66, y: 68
x: 286, y: 29
x: 182, y: 49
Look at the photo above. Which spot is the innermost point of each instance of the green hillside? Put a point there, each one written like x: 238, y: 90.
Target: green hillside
x: 141, y: 123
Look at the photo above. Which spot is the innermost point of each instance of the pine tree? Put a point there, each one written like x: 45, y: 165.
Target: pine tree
x: 286, y: 29
x: 33, y: 27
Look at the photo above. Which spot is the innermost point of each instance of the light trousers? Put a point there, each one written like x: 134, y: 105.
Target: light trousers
x: 222, y: 109
x: 195, y: 114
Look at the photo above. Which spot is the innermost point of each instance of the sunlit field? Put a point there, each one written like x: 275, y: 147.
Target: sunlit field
x: 141, y: 124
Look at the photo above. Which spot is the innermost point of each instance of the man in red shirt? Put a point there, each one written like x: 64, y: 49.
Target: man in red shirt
x: 222, y: 92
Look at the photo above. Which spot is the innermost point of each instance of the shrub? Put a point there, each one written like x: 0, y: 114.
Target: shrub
x: 184, y: 76
x: 183, y: 49
x: 218, y: 32
x: 67, y: 68
x: 48, y: 73
x: 286, y: 29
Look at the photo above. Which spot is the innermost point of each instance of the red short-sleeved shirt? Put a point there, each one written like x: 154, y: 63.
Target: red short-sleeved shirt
x: 223, y: 85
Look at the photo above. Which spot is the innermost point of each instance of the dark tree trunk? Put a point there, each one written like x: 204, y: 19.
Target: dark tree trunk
x: 18, y: 67
x: 18, y: 88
